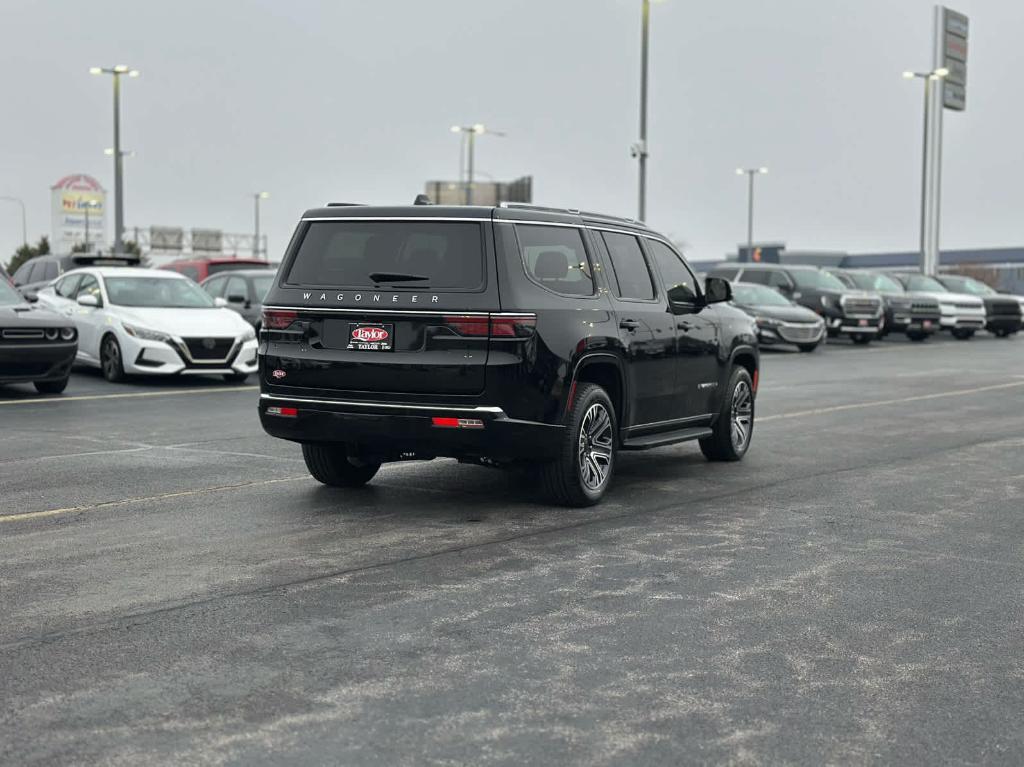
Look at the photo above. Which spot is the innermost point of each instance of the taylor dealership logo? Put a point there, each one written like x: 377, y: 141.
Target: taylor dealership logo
x: 373, y: 298
x: 370, y: 335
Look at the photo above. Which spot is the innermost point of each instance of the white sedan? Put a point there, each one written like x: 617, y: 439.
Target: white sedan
x: 134, y: 321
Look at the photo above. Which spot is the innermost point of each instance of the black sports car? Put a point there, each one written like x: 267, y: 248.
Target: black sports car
x: 35, y: 345
x: 779, y: 320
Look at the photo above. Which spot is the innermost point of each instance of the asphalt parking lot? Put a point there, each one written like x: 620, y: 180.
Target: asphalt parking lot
x: 175, y: 588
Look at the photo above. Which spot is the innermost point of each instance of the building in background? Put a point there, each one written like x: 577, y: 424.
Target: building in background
x: 71, y: 199
x: 484, y: 192
x: 162, y: 244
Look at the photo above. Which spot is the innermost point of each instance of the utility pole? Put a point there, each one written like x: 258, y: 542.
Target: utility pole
x: 256, y: 217
x: 470, y: 132
x: 640, y: 149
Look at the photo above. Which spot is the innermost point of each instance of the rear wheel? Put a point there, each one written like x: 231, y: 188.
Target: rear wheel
x: 111, y: 362
x: 331, y: 465
x: 962, y: 334
x: 583, y: 470
x: 732, y: 431
x: 51, y: 387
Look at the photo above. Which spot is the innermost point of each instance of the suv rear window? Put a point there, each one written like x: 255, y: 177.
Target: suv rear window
x: 437, y: 255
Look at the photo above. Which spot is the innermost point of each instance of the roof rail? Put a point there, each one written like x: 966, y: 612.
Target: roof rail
x: 344, y: 204
x: 571, y: 211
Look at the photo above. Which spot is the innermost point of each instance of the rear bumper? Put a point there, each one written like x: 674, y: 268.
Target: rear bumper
x: 395, y: 431
x: 36, y: 362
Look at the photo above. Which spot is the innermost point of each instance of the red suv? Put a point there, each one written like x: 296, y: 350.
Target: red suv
x: 199, y: 269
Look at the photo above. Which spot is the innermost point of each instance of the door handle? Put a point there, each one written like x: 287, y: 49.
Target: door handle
x: 684, y: 325
x: 629, y: 324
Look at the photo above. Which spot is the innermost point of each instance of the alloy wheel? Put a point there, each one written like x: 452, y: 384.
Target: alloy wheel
x: 742, y: 416
x: 111, y: 359
x: 595, y: 446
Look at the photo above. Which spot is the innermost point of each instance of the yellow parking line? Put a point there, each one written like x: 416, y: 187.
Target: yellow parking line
x: 160, y: 497
x: 126, y: 395
x: 881, y: 402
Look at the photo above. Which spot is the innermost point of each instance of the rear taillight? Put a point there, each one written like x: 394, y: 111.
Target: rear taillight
x: 457, y: 423
x: 277, y: 319
x: 494, y: 325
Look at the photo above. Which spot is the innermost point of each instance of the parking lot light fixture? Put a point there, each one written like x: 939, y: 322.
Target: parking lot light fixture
x: 750, y: 173
x: 927, y: 78
x: 471, y: 131
x: 257, y: 196
x: 116, y: 72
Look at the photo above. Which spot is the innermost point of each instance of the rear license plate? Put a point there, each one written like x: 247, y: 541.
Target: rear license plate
x: 862, y: 323
x: 367, y: 337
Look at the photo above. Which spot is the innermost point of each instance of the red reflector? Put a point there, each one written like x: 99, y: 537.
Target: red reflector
x: 275, y: 319
x: 756, y: 377
x: 457, y: 423
x: 287, y: 412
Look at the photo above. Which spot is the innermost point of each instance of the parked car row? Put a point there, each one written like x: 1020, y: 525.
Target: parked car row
x: 865, y: 305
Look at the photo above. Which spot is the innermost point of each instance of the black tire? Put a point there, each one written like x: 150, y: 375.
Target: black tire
x: 331, y: 465
x: 51, y: 387
x: 862, y: 338
x: 737, y: 406
x: 807, y: 348
x: 962, y: 334
x: 583, y: 470
x: 111, y: 362
x: 236, y: 377
x: 913, y: 336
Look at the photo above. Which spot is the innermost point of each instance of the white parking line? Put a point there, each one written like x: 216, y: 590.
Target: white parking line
x: 126, y: 395
x: 882, y: 402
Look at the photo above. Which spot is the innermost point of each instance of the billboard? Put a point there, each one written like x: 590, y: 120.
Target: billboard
x: 77, y: 203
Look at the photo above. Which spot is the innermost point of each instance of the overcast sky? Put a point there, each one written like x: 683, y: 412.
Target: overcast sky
x: 317, y: 100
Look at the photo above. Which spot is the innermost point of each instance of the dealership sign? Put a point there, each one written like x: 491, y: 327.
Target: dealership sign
x: 953, y: 56
x: 77, y: 204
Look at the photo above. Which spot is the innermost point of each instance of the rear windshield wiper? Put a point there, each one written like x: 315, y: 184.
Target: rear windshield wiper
x: 395, y: 277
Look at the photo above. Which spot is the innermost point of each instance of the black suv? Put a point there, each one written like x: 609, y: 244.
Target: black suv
x: 40, y: 271
x: 855, y: 313
x: 498, y: 336
x: 916, y: 315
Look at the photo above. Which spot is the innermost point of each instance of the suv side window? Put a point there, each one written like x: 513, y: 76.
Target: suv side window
x: 631, y: 275
x: 236, y: 287
x: 215, y: 286
x: 555, y: 259
x: 679, y: 280
x: 757, y: 276
x: 66, y: 287
x: 779, y: 280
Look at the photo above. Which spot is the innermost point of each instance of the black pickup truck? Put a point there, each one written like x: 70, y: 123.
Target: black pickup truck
x: 498, y: 335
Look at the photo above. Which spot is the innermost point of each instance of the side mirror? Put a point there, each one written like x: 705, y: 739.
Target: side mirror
x: 717, y: 290
x: 31, y: 296
x: 785, y: 289
x: 236, y: 299
x: 219, y: 302
x: 88, y: 299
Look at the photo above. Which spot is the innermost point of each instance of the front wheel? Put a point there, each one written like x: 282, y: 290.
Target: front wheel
x: 111, y: 362
x: 807, y: 348
x: 962, y: 334
x: 51, y: 387
x: 916, y: 336
x: 331, y: 465
x: 730, y: 437
x: 583, y: 470
x: 862, y: 338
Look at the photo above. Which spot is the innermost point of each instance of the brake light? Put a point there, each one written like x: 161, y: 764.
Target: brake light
x: 493, y: 326
x: 513, y: 325
x: 457, y: 423
x: 276, y: 319
x: 287, y: 412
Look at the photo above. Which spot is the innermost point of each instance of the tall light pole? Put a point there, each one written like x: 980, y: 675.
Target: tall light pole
x: 87, y: 207
x: 928, y: 78
x: 639, y: 150
x: 116, y: 72
x: 471, y: 132
x: 750, y: 173
x: 257, y: 196
x: 24, y: 229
